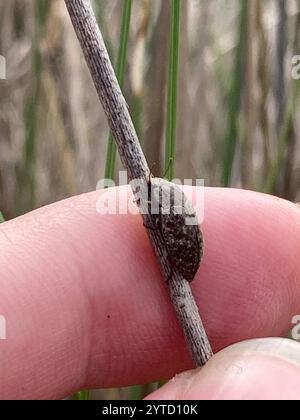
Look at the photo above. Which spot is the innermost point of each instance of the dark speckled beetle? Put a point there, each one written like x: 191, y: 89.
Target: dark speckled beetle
x: 177, y: 221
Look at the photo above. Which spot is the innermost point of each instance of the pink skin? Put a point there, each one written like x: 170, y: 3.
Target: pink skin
x: 265, y: 369
x: 86, y: 306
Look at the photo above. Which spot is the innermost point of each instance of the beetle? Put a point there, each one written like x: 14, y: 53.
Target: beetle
x: 175, y: 218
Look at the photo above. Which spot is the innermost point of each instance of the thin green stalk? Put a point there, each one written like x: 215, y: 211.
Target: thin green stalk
x: 286, y: 131
x: 120, y: 71
x: 173, y: 89
x: 26, y: 177
x: 82, y: 396
x: 234, y: 102
x: 136, y: 392
x: 2, y: 220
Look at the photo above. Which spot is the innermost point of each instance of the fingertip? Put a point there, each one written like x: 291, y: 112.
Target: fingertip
x: 266, y: 369
x: 250, y: 273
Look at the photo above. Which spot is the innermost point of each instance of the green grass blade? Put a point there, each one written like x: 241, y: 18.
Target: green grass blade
x: 173, y: 89
x: 136, y: 392
x: 2, y: 220
x: 25, y: 197
x: 82, y: 396
x: 235, y: 95
x: 124, y: 35
x: 285, y: 132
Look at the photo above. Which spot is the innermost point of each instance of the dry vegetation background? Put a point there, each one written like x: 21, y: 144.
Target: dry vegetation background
x: 235, y: 97
x: 238, y: 103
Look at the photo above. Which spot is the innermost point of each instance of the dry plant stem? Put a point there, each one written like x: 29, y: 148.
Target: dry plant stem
x: 133, y: 159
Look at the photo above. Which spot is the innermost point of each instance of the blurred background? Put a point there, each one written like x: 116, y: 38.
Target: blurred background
x: 238, y: 103
x: 237, y: 109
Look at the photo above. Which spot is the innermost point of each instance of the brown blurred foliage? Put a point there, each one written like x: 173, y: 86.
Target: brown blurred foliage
x: 53, y: 131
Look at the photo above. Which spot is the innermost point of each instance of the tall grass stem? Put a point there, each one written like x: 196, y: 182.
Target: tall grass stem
x: 173, y: 86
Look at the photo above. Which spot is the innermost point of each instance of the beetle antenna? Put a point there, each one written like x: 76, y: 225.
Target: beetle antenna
x: 168, y: 167
x: 151, y: 171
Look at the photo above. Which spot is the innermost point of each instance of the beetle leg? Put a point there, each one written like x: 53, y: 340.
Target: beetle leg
x: 137, y: 201
x: 150, y: 227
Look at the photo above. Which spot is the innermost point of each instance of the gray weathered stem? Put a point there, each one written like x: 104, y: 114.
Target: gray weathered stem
x: 134, y: 161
